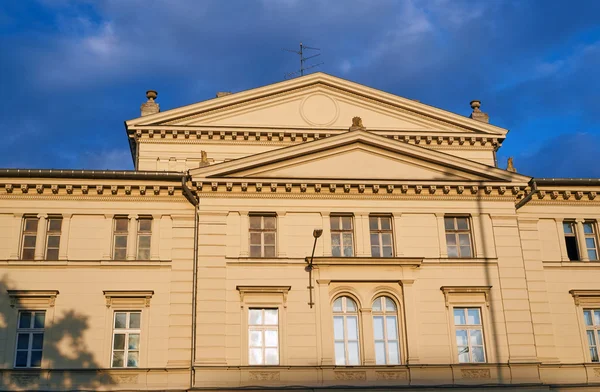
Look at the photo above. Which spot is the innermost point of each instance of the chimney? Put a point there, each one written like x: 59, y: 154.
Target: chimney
x: 477, y: 113
x: 223, y: 93
x: 150, y: 107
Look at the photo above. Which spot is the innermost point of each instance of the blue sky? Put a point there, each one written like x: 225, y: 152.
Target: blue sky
x: 72, y: 71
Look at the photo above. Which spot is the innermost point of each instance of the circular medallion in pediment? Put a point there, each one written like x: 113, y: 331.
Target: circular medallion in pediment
x: 319, y: 109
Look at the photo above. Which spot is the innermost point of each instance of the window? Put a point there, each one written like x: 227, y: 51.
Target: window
x: 381, y: 236
x: 589, y: 231
x: 30, y: 339
x: 458, y: 236
x: 342, y: 236
x: 53, y: 237
x: 345, y: 331
x: 30, y: 226
x: 263, y: 337
x: 571, y: 240
x: 385, y: 327
x: 469, y: 335
x: 263, y: 229
x: 144, y: 235
x: 126, y: 339
x: 592, y: 326
x: 120, y: 231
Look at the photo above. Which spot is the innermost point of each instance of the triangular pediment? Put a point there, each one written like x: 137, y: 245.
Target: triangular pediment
x: 355, y: 156
x: 317, y: 101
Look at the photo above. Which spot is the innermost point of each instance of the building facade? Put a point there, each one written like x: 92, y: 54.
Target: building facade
x: 312, y: 233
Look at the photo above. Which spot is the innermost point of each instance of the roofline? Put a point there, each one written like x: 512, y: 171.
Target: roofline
x: 567, y: 181
x: 94, y: 174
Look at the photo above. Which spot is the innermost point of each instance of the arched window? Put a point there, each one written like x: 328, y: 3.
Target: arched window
x: 385, y: 327
x: 345, y: 331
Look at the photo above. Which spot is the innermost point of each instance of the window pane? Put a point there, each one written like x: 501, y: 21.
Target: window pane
x: 392, y: 332
x: 29, y: 241
x: 461, y: 337
x: 31, y: 224
x: 121, y: 241
x: 144, y: 254
x: 587, y: 316
x: 255, y: 238
x: 465, y: 251
x: 388, y: 251
x: 255, y: 317
x: 449, y: 223
x: 25, y: 320
x: 478, y: 354
x: 592, y: 255
x: 121, y: 224
x: 21, y: 360
x: 596, y: 317
x: 255, y: 338
x: 36, y: 358
x: 133, y: 359
x: 340, y: 354
x: 28, y: 254
x: 255, y: 251
x: 459, y: 316
x: 377, y: 305
x: 54, y: 224
x: 269, y: 238
x: 380, y: 353
x: 52, y: 254
x: 255, y: 222
x: 53, y: 241
x: 568, y: 227
x: 352, y: 328
x: 271, y: 339
x: 271, y: 356
x: 256, y: 356
x: 473, y: 317
x: 463, y: 240
x: 269, y: 251
x: 348, y: 252
x: 119, y: 341
x: 463, y: 354
x: 375, y: 251
x: 23, y: 341
x: 476, y: 338
x: 386, y: 223
x: 353, y: 353
x: 120, y: 254
x: 38, y: 321
x: 378, y: 327
x: 350, y: 305
x: 394, y: 354
x: 120, y: 320
x: 134, y: 342
x: 588, y: 228
x: 336, y: 251
x: 269, y: 222
x: 347, y: 237
x: 335, y: 223
x: 145, y: 225
x: 118, y: 359
x: 337, y: 305
x: 386, y: 239
x: 451, y: 239
x: 37, y: 341
x: 590, y: 243
x: 144, y: 241
x: 462, y: 223
x: 374, y: 239
x: 134, y: 320
x: 347, y: 223
x: 373, y: 223
x: 591, y: 338
x: 389, y: 304
x: 338, y: 327
x: 271, y: 316
x: 594, y: 354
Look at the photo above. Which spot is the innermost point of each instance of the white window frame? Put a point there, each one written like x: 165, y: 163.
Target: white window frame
x: 127, y: 331
x: 29, y: 233
x: 53, y: 233
x: 345, y: 315
x: 591, y: 236
x: 262, y: 231
x: 144, y: 233
x: 594, y: 328
x: 386, y: 314
x: 30, y: 331
x: 469, y: 328
x: 456, y: 233
x: 340, y: 231
x: 262, y: 329
x: 379, y: 232
x: 120, y: 233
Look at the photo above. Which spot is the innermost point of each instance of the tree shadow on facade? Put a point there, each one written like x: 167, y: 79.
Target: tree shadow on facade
x: 67, y: 363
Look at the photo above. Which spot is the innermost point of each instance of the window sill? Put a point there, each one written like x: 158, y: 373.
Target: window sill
x: 462, y: 261
x: 85, y: 263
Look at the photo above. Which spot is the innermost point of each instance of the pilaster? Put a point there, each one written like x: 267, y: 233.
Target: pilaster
x: 244, y: 234
x: 398, y: 240
x: 583, y: 256
x: 362, y: 237
x: 17, y: 228
x: 441, y: 235
x: 64, y: 237
x: 282, y: 234
x: 411, y: 312
x: 155, y: 238
x: 326, y: 234
x: 132, y: 237
x: 561, y: 239
x: 108, y: 234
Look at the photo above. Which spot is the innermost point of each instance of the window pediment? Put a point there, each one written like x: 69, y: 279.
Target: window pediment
x: 586, y: 297
x: 138, y: 298
x: 28, y: 298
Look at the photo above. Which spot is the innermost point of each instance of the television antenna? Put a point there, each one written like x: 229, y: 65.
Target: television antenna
x: 303, y: 59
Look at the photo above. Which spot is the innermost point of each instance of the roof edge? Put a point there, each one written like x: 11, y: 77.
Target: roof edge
x: 93, y: 174
x: 567, y: 181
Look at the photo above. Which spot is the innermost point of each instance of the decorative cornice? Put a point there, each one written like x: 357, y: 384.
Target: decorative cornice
x: 45, y: 298
x: 450, y: 290
x: 16, y: 189
x: 586, y: 297
x: 128, y: 297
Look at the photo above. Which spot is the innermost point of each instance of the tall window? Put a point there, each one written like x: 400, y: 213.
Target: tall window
x: 458, y: 236
x: 345, y: 328
x: 342, y: 236
x: 120, y: 232
x: 263, y: 337
x: 592, y: 326
x: 385, y: 327
x: 30, y: 339
x: 571, y: 240
x: 381, y: 236
x: 144, y: 235
x: 30, y: 226
x: 53, y: 237
x: 589, y: 230
x: 263, y: 230
x: 126, y: 339
x: 469, y: 335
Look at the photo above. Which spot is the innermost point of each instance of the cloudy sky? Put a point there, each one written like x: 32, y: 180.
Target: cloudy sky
x: 72, y: 71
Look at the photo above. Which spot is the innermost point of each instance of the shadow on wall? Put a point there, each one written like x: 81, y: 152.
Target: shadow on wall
x: 67, y: 364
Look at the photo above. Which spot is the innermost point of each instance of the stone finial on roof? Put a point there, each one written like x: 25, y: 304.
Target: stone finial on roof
x: 357, y: 124
x: 477, y: 114
x: 510, y: 166
x: 150, y: 107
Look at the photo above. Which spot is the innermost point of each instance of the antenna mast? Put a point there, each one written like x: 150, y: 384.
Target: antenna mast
x: 303, y: 60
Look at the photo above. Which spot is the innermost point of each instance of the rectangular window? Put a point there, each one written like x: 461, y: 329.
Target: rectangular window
x: 458, y: 236
x: 126, y: 339
x: 381, y: 236
x: 30, y: 227
x: 571, y: 240
x: 469, y: 335
x: 120, y: 232
x: 144, y: 235
x: 263, y: 337
x: 30, y: 339
x: 342, y: 236
x: 263, y: 230
x: 591, y: 244
x: 54, y: 226
x: 592, y: 326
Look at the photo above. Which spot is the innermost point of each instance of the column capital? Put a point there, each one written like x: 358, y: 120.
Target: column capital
x: 42, y: 215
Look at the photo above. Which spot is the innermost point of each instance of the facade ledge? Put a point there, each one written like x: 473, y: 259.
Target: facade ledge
x: 571, y: 264
x: 85, y: 263
x: 367, y: 261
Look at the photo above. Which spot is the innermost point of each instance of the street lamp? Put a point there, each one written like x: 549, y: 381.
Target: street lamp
x: 316, y: 233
